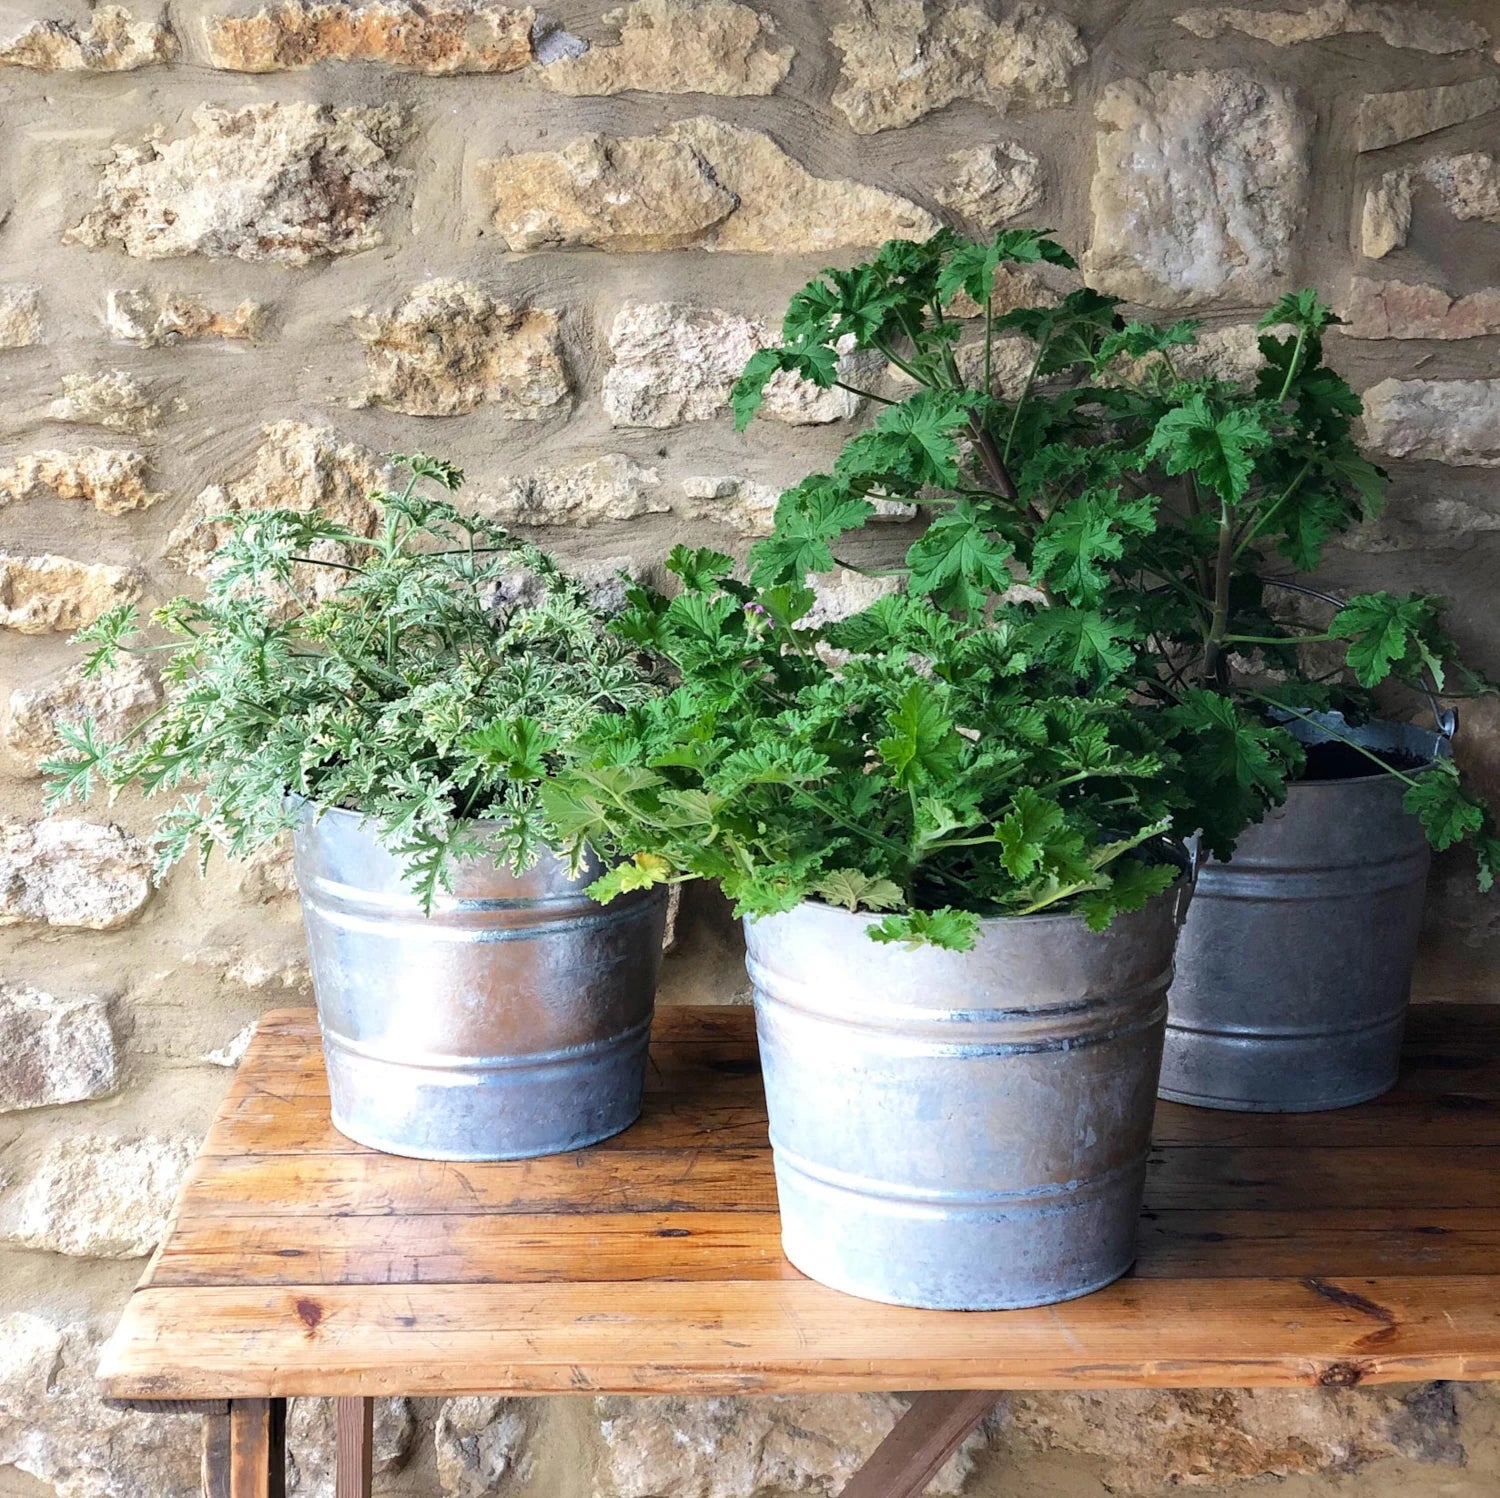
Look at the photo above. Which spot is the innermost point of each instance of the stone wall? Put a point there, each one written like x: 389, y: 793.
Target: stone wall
x: 245, y: 251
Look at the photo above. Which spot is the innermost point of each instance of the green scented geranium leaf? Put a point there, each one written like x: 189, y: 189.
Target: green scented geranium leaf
x: 957, y: 562
x: 1026, y: 831
x: 1078, y: 540
x: 955, y: 930
x: 923, y: 744
x: 1086, y: 643
x: 1218, y: 447
x: 1447, y: 812
x: 1132, y: 884
x: 1390, y: 635
x: 857, y: 891
x: 809, y: 518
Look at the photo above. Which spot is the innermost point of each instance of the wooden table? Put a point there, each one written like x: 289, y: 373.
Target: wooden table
x: 1320, y: 1249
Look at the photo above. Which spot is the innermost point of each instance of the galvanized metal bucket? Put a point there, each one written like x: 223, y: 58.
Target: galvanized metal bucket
x: 1295, y: 964
x: 961, y: 1130
x: 512, y: 1021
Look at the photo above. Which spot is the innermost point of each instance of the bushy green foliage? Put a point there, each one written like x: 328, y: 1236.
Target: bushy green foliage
x: 431, y: 690
x: 903, y: 760
x: 1158, y: 514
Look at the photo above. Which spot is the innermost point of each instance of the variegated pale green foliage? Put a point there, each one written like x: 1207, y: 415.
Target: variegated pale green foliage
x: 430, y: 690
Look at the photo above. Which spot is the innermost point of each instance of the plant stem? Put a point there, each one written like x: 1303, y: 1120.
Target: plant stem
x: 1213, y: 654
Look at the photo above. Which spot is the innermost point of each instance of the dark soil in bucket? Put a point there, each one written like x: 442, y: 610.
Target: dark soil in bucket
x: 1336, y: 761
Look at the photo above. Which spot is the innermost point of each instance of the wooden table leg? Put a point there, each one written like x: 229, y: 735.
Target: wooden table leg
x: 216, y: 1455
x: 919, y: 1443
x: 253, y: 1457
x: 355, y: 1422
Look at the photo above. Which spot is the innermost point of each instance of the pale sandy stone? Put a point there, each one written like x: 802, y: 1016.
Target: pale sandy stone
x: 310, y: 1443
x: 98, y: 1197
x: 113, y: 480
x: 843, y: 592
x: 1014, y: 286
x: 1229, y: 353
x: 480, y: 1445
x: 699, y: 183
x: 668, y: 1447
x: 1398, y: 23
x: 448, y: 36
x: 1431, y: 522
x: 114, y: 399
x: 61, y: 872
x: 1400, y: 309
x: 290, y: 183
x: 450, y: 347
x: 678, y: 47
x: 1388, y: 119
x: 151, y: 319
x: 610, y: 487
x: 991, y: 184
x: 1200, y: 189
x: 902, y: 59
x: 1385, y: 220
x: 51, y: 594
x: 614, y: 192
x: 115, y: 699
x: 20, y: 316
x: 740, y: 503
x: 784, y: 209
x: 674, y: 363
x: 606, y: 581
x: 113, y: 41
x: 56, y: 1428
x: 232, y: 1052
x: 54, y: 1050
x: 1469, y: 184
x: 296, y: 467
x: 268, y: 874
x: 1444, y: 421
x: 1156, y: 1440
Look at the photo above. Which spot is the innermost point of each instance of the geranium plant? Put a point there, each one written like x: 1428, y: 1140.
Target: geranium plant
x: 426, y: 675
x: 1154, y: 511
x: 909, y: 760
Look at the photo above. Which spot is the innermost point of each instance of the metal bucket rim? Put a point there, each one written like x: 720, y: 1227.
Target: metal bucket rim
x: 1442, y: 748
x: 988, y: 922
x: 311, y: 809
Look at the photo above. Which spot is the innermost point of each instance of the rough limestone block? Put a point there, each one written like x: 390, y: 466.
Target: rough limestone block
x: 55, y: 1427
x: 1413, y: 26
x: 990, y: 184
x: 610, y: 487
x: 50, y: 594
x: 449, y: 347
x: 296, y: 467
x: 481, y: 1445
x: 150, y: 319
x: 1200, y: 189
x: 699, y: 183
x: 677, y: 47
x: 750, y: 1448
x: 20, y: 316
x: 1444, y: 421
x: 1400, y: 309
x: 903, y: 59
x: 112, y: 479
x: 62, y: 872
x: 291, y: 183
x: 113, y: 41
x: 674, y: 363
x: 98, y: 1197
x: 1157, y: 1440
x: 113, y: 399
x: 115, y: 700
x: 449, y: 36
x: 54, y: 1050
x: 1407, y: 114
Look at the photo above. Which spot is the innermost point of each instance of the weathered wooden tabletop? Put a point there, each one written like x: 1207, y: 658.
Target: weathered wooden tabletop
x: 1331, y: 1248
